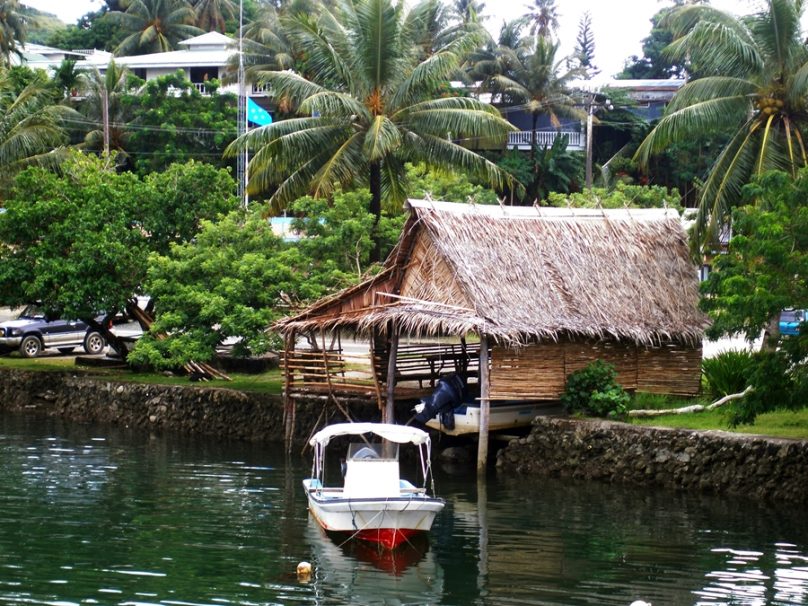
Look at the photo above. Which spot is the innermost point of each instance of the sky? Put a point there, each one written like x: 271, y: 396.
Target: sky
x: 618, y: 27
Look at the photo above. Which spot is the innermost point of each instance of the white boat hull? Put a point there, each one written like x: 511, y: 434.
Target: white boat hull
x: 388, y: 521
x: 501, y: 417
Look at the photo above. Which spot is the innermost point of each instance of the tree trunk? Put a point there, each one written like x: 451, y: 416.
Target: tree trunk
x: 376, y: 210
x: 771, y: 334
x: 534, y: 168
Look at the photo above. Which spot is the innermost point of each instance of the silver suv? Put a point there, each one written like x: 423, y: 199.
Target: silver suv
x: 32, y: 332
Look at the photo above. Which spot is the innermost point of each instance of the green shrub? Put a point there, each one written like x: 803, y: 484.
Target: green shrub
x: 727, y: 373
x: 594, y: 391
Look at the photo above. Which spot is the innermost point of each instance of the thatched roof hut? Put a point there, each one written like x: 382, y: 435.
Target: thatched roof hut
x: 522, y: 275
x: 542, y: 291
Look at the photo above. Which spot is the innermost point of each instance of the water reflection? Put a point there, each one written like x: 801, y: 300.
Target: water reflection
x: 98, y: 515
x: 356, y: 572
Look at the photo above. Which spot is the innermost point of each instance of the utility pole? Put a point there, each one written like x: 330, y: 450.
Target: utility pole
x: 243, y: 161
x: 105, y: 117
x: 593, y: 101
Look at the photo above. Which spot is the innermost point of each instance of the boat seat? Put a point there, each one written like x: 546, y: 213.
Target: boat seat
x: 368, y: 478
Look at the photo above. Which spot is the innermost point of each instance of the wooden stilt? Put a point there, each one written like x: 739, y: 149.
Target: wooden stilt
x: 288, y: 401
x: 376, y: 381
x: 485, y: 408
x: 389, y: 410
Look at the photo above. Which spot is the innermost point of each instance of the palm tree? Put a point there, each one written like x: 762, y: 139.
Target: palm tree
x: 468, y: 11
x: 155, y: 25
x: 542, y: 17
x: 30, y: 130
x: 369, y: 105
x: 212, y: 14
x: 755, y: 90
x: 12, y: 30
x: 104, y: 107
x: 529, y: 75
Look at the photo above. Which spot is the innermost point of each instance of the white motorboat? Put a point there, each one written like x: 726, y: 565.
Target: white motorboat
x: 374, y: 503
x: 465, y: 419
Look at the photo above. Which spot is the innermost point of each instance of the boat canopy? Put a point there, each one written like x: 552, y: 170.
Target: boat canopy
x: 400, y: 434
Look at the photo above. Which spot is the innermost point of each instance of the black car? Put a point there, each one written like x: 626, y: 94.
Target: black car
x: 32, y: 332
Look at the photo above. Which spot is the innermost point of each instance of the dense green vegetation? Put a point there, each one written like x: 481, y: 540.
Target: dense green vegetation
x: 366, y: 117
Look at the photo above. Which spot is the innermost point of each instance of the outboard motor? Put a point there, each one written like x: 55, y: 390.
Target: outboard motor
x: 447, y: 395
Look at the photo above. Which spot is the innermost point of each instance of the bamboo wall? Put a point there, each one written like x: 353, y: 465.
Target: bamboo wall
x: 539, y: 371
x: 418, y: 368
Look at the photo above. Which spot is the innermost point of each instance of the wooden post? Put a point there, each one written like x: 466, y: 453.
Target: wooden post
x: 389, y: 410
x: 485, y: 408
x: 288, y: 401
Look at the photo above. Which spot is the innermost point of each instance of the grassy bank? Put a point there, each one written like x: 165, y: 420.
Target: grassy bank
x: 266, y: 382
x: 779, y: 423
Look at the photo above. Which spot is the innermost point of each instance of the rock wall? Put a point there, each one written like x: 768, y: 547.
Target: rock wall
x: 712, y: 461
x: 224, y: 413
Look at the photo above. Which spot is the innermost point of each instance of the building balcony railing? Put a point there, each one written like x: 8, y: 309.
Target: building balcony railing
x: 524, y: 138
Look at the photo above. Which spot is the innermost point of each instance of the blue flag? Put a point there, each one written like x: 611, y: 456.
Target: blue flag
x: 257, y: 114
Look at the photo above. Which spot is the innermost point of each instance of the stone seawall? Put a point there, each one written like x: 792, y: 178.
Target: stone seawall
x: 712, y: 461
x: 224, y: 413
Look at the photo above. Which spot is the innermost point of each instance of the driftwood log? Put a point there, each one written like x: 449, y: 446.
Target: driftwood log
x: 689, y: 409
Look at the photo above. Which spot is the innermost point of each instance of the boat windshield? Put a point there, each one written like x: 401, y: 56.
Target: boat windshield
x: 363, y: 451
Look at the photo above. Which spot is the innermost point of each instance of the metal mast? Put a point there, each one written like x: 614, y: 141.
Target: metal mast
x: 241, y: 169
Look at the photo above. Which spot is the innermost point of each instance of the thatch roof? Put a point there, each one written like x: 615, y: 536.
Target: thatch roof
x: 519, y: 274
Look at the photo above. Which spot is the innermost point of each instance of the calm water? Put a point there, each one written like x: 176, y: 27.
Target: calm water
x: 98, y: 515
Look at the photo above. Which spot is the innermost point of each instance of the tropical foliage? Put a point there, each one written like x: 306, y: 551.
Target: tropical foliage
x: 367, y: 106
x: 528, y: 73
x: 211, y: 15
x: 170, y: 121
x: 79, y: 241
x: 30, y: 126
x: 754, y: 88
x: 12, y: 30
x: 103, y: 105
x: 594, y: 390
x: 236, y: 277
x: 542, y: 18
x: 763, y: 272
x: 154, y: 26
x: 765, y: 268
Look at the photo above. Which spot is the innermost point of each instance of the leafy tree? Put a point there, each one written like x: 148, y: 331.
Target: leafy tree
x: 30, y: 126
x: 12, y: 30
x: 79, y: 241
x: 450, y: 186
x: 368, y: 106
x: 336, y: 239
x: 66, y: 78
x: 654, y: 63
x: 227, y: 283
x: 755, y: 91
x: 170, y: 121
x: 763, y: 272
x: 236, y: 277
x: 583, y: 56
x: 154, y: 26
x: 92, y: 30
x: 182, y: 196
x: 765, y: 267
x: 69, y: 241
